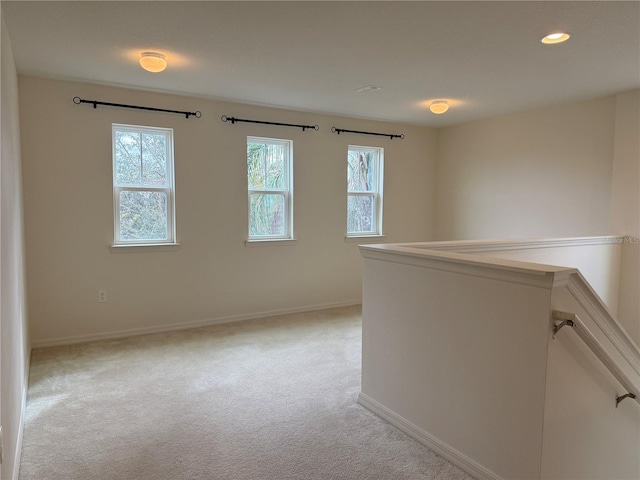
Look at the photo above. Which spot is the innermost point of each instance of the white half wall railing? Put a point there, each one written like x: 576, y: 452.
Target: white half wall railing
x: 460, y: 352
x: 598, y: 258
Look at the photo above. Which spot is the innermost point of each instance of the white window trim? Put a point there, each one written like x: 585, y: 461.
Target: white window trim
x: 169, y: 190
x: 378, y: 180
x: 145, y: 247
x: 374, y: 238
x: 278, y: 242
x: 288, y: 197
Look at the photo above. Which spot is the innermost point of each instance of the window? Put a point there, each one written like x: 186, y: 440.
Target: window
x: 143, y: 185
x: 270, y: 180
x: 364, y: 191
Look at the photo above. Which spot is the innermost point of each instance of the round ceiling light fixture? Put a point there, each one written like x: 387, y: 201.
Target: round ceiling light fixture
x: 153, y: 62
x: 554, y: 38
x: 439, y: 107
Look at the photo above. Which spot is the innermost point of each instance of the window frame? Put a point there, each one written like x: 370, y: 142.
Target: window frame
x: 286, y: 191
x: 168, y: 188
x: 377, y: 193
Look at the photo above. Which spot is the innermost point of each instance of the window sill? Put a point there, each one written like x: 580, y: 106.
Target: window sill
x: 363, y: 238
x: 149, y: 247
x: 270, y: 243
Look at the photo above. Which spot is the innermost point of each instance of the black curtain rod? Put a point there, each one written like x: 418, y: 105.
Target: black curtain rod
x: 95, y: 103
x: 233, y: 120
x: 390, y: 135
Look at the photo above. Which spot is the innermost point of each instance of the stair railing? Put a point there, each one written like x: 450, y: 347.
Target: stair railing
x: 562, y: 319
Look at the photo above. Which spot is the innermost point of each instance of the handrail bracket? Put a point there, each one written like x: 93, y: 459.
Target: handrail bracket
x: 562, y: 319
x: 622, y: 397
x: 558, y: 325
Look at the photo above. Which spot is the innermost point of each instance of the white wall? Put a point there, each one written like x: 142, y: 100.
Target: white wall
x: 625, y: 189
x: 566, y: 171
x: 629, y: 300
x: 545, y: 173
x: 457, y: 353
x: 585, y: 435
x: 13, y: 337
x: 212, y: 275
x: 625, y: 206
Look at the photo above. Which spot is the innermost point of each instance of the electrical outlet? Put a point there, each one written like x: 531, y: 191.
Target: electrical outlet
x: 102, y: 296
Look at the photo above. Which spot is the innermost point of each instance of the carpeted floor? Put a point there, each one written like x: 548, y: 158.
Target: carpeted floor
x: 272, y: 399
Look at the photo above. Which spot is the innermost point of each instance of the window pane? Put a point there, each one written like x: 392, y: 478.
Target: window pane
x: 154, y: 159
x: 267, y: 215
x: 128, y: 158
x: 255, y: 165
x: 266, y: 166
x: 360, y: 172
x: 274, y: 174
x: 143, y: 216
x: 360, y: 214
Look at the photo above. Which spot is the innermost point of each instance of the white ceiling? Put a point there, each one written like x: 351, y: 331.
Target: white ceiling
x: 485, y: 57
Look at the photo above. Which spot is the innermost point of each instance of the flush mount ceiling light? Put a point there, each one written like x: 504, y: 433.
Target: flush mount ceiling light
x: 153, y: 62
x: 368, y: 88
x: 439, y: 106
x: 554, y: 38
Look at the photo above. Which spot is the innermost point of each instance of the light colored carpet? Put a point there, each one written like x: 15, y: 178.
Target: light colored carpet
x: 272, y: 399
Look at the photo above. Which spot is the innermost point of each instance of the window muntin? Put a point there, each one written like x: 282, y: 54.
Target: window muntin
x: 143, y: 185
x: 270, y: 180
x: 364, y: 190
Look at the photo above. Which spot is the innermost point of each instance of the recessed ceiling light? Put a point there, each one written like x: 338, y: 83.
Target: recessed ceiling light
x: 368, y: 88
x: 153, y: 62
x: 554, y: 38
x: 439, y: 107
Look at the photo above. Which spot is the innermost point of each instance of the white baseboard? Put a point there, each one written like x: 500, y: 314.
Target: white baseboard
x: 52, y: 342
x: 470, y: 466
x: 16, y: 460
